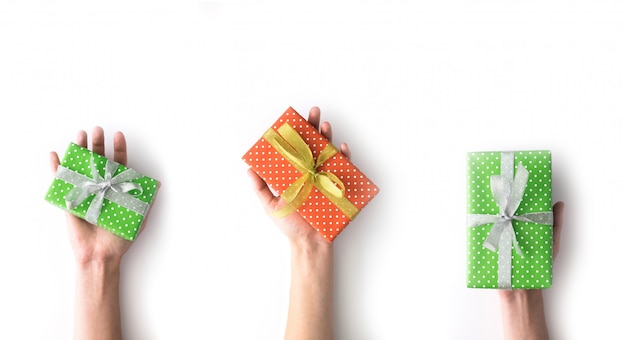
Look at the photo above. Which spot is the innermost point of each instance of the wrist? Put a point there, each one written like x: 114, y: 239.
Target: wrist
x: 311, y: 294
x: 311, y: 243
x: 98, y: 257
x: 520, y: 296
x: 102, y: 267
x: 311, y: 255
x: 523, y: 314
x: 97, y: 310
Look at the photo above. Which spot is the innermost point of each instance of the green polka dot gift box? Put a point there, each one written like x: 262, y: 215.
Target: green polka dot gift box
x: 102, y: 192
x: 509, y: 220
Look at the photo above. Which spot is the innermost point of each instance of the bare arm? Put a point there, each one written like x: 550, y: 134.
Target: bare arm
x: 96, y: 304
x: 311, y: 294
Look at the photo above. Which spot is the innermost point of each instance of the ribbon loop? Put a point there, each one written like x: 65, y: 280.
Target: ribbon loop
x: 288, y: 142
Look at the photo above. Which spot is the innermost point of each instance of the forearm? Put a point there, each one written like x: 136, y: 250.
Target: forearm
x: 523, y: 315
x: 311, y: 294
x: 97, y: 309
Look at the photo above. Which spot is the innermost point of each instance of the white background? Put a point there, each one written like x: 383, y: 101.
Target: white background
x: 411, y: 88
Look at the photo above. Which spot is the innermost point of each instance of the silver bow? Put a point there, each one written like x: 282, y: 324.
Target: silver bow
x: 508, y: 192
x: 113, y: 188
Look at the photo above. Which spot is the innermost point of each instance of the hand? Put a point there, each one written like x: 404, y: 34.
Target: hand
x: 89, y: 242
x: 296, y: 228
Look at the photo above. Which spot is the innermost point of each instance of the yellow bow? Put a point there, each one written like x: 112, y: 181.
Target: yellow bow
x: 289, y: 144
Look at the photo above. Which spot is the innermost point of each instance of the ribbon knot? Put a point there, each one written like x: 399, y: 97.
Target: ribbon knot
x: 507, y: 191
x: 106, y: 185
x: 114, y: 188
x: 288, y: 142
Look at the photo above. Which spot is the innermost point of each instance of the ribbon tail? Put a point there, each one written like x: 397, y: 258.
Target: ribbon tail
x: 495, y: 236
x: 295, y: 196
x: 504, y: 259
x: 78, y: 194
x: 295, y: 189
x: 94, y: 208
x: 75, y: 197
x: 511, y: 232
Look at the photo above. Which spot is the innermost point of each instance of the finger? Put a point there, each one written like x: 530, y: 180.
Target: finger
x: 81, y: 138
x: 119, y: 148
x: 345, y: 150
x: 558, y: 226
x: 327, y: 131
x: 262, y: 191
x: 314, y: 117
x: 97, y: 140
x: 54, y: 161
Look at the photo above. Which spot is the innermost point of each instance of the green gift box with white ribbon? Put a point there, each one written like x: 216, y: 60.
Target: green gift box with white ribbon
x: 509, y: 220
x: 102, y: 192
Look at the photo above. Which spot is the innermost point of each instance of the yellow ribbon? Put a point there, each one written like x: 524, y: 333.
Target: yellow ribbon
x: 289, y: 144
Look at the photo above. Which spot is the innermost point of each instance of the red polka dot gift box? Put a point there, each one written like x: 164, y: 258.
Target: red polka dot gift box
x: 102, y: 192
x: 311, y: 175
x: 509, y: 219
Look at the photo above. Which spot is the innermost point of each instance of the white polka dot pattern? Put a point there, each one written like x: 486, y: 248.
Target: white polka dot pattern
x: 116, y: 219
x: 534, y: 269
x: 279, y: 174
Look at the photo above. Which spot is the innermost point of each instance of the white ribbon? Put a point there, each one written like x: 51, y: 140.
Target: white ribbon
x: 113, y: 188
x: 508, y: 192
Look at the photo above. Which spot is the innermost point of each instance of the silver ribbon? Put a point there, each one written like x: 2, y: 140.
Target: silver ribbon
x: 508, y: 192
x: 113, y: 188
